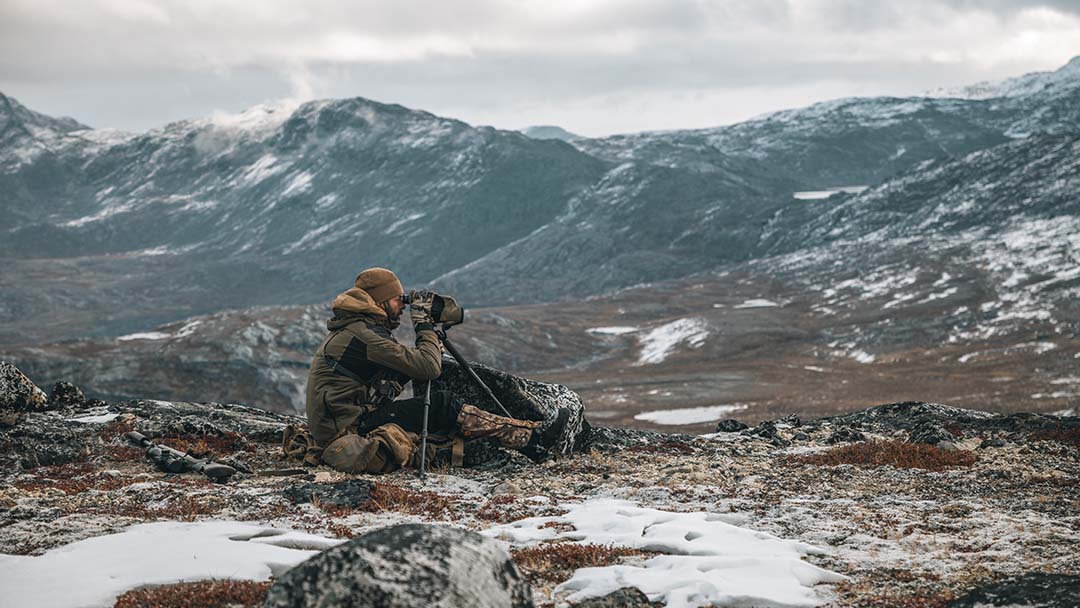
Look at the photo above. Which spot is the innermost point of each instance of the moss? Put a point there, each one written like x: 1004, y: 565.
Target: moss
x: 898, y: 454
x: 201, y: 594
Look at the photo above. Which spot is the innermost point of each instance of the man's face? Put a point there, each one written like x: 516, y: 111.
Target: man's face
x: 396, y: 306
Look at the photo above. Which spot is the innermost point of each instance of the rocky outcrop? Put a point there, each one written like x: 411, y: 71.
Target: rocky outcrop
x: 349, y: 493
x: 523, y: 398
x: 627, y: 597
x: 1033, y: 590
x: 406, y: 565
x: 19, y: 393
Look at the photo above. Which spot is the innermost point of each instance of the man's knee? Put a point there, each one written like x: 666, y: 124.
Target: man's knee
x: 352, y: 453
x: 382, y: 450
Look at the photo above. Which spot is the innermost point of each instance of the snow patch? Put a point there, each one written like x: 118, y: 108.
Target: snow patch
x: 690, y: 415
x: 300, y: 183
x: 658, y: 343
x: 757, y: 303
x: 99, y: 419
x: 811, y: 195
x: 710, y: 561
x: 615, y: 330
x: 146, y: 335
x: 93, y: 572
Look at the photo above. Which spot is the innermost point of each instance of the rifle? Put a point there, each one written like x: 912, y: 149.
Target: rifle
x: 175, y: 461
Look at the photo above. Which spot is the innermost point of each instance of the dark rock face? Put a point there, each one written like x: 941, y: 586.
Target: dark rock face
x: 627, y: 597
x: 349, y: 493
x: 929, y: 419
x: 1034, y: 590
x: 161, y: 418
x: 610, y: 438
x: 66, y: 394
x: 931, y: 433
x: 406, y: 565
x: 17, y: 392
x: 523, y: 398
x: 845, y: 436
x: 45, y: 438
x: 730, y: 426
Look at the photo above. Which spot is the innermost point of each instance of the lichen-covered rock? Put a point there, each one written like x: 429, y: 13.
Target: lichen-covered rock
x: 406, y: 565
x: 181, y: 418
x: 66, y: 394
x: 930, y: 432
x: 350, y: 493
x: 1034, y: 590
x: 18, y: 393
x: 45, y: 438
x: 523, y: 398
x: 627, y: 597
x: 730, y: 426
x: 845, y: 435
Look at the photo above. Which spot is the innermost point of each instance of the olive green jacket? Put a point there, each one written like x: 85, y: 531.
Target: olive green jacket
x: 360, y: 365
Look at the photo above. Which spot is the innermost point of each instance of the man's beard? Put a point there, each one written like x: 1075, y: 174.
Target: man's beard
x: 392, y: 320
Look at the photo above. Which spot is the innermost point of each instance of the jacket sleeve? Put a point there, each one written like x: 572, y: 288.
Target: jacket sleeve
x: 424, y: 362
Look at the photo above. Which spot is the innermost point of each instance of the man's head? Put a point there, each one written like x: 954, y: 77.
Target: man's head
x: 384, y: 287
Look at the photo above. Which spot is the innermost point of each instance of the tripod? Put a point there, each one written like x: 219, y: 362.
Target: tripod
x: 427, y: 393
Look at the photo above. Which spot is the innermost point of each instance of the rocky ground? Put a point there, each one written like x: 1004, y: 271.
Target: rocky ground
x: 917, y: 504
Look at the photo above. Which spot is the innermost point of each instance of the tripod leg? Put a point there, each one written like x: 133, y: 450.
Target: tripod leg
x: 423, y: 432
x: 472, y: 373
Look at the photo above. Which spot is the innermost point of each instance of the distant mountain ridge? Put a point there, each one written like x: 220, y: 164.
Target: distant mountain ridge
x: 282, y: 205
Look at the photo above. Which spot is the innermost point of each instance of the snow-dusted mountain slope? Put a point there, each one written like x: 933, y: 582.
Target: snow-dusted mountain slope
x: 282, y: 205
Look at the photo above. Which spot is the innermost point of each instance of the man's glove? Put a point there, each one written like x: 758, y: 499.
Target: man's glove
x: 420, y: 309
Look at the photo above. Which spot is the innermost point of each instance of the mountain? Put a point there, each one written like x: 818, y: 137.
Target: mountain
x: 282, y: 205
x: 550, y: 132
x: 956, y: 281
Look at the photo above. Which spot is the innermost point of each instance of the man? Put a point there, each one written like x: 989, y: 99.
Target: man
x: 360, y: 368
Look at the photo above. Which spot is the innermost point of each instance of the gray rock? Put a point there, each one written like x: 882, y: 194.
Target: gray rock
x: 1034, y: 590
x: 992, y: 443
x: 181, y: 418
x: 66, y: 394
x: 46, y: 438
x: 627, y: 597
x: 730, y: 426
x: 845, y: 436
x: 18, y: 393
x: 930, y: 432
x: 406, y: 565
x: 350, y: 493
x: 523, y: 398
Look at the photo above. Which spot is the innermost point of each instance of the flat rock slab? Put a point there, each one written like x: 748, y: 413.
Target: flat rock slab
x: 1033, y: 590
x: 406, y: 565
x: 350, y: 493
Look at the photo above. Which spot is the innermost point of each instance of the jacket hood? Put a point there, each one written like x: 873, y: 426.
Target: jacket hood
x: 352, y: 304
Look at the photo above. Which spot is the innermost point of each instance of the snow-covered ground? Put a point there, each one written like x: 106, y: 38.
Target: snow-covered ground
x: 93, y: 572
x: 659, y: 342
x: 690, y: 415
x: 707, y: 559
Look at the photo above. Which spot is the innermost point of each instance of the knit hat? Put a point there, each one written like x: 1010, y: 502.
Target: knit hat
x: 380, y: 283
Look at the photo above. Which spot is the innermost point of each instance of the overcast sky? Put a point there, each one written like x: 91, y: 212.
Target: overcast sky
x: 594, y: 67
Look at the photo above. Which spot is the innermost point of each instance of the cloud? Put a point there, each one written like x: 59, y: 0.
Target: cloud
x: 490, y: 61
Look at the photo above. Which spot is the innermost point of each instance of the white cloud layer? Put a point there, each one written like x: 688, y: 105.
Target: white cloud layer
x: 592, y: 66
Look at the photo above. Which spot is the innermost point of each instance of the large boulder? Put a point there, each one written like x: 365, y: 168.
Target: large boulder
x: 406, y: 565
x: 523, y: 398
x: 18, y: 393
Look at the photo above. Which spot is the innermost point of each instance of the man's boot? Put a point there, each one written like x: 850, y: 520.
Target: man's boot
x: 475, y: 423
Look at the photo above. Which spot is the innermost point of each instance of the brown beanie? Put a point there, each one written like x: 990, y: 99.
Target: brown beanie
x: 380, y: 283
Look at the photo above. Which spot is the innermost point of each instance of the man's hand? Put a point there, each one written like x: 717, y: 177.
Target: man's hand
x: 420, y: 309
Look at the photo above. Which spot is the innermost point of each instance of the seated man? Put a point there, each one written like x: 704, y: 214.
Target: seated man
x: 360, y: 368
